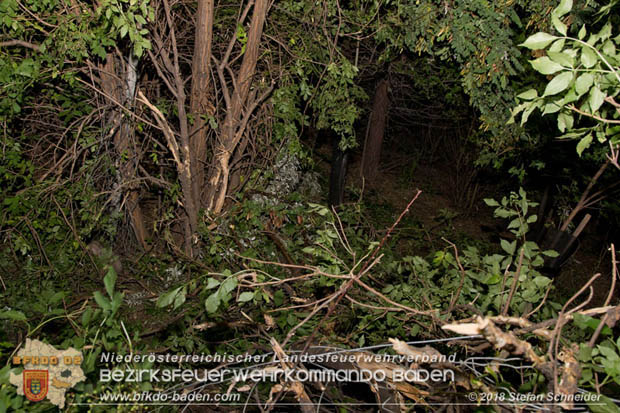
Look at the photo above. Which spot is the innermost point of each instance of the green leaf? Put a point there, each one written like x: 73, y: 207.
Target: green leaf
x: 552, y: 107
x: 545, y: 66
x: 180, y: 298
x: 541, y: 281
x: 491, y: 202
x: 558, y: 24
x: 582, y: 32
x: 584, y: 143
x: 596, y: 98
x: 291, y: 319
x: 87, y: 316
x: 212, y: 283
x: 609, y: 48
x: 562, y: 58
x: 12, y: 315
x: 109, y: 280
x: 570, y: 97
x: 605, y: 31
x: 585, y: 353
x: 509, y: 247
x: 551, y: 253
x: 229, y: 285
x: 26, y: 68
x: 527, y: 112
x: 608, y: 353
x: 515, y: 223
x: 564, y: 7
x: 516, y: 110
x: 116, y: 301
x: 588, y: 57
x: 557, y: 46
x: 602, y: 404
x: 167, y: 298
x: 583, y: 83
x: 57, y: 297
x: 102, y: 301
x: 493, y: 279
x: 558, y: 84
x: 246, y: 296
x: 539, y: 40
x: 319, y: 209
x: 565, y: 121
x: 572, y: 135
x: 503, y: 213
x: 527, y: 95
x: 212, y: 303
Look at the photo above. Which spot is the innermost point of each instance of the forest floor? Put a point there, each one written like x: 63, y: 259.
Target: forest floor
x: 441, y: 213
x: 437, y: 217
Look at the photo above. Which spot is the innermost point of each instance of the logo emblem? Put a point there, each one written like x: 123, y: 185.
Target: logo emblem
x: 35, y: 384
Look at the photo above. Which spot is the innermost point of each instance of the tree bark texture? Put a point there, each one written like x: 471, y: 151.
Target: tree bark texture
x: 167, y: 65
x: 239, y: 105
x: 201, y: 96
x: 118, y: 83
x: 376, y: 131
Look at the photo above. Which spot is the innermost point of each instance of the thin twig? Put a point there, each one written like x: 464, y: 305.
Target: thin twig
x: 603, y: 321
x: 590, y: 115
x: 562, y: 319
x: 338, y: 295
x: 539, y: 306
x: 515, y: 281
x: 463, y: 274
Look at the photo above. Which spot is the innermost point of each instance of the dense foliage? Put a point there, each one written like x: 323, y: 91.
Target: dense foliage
x: 151, y: 201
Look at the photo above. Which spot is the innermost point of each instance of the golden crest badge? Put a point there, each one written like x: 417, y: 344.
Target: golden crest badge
x: 35, y: 384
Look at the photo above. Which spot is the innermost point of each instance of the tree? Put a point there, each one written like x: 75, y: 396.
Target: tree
x: 376, y: 131
x: 198, y: 130
x: 201, y: 97
x: 479, y: 39
x: 240, y: 104
x: 194, y: 151
x: 585, y: 84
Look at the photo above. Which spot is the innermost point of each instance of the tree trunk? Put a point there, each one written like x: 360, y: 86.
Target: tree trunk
x: 178, y: 143
x: 119, y: 83
x: 376, y: 131
x: 200, y: 97
x: 238, y: 108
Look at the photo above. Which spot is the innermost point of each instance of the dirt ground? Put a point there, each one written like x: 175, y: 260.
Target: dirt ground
x: 439, y: 213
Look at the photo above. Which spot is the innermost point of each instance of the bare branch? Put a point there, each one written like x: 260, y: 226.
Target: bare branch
x: 22, y: 43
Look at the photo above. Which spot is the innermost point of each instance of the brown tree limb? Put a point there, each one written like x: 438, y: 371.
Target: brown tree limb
x: 342, y: 291
x: 184, y: 166
x: 22, y: 43
x: 233, y: 127
x: 614, y: 274
x: 590, y: 115
x: 584, y: 196
x: 200, y: 95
